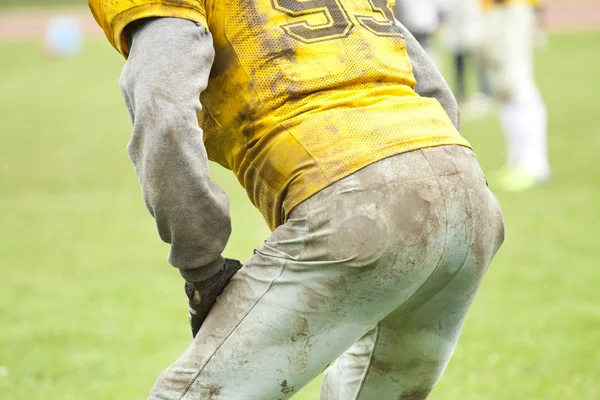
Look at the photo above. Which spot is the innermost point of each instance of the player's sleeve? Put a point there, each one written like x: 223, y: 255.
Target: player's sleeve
x: 430, y: 82
x: 114, y: 15
x: 167, y: 69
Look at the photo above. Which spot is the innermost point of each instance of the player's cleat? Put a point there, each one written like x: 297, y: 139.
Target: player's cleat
x: 203, y: 295
x: 516, y: 179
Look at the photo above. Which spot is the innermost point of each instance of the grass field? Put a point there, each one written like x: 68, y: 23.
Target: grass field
x: 89, y: 309
x: 36, y: 4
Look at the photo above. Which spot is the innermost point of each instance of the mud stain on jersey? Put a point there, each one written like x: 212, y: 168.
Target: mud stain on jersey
x: 225, y: 60
x: 332, y: 128
x: 365, y: 50
x: 275, y: 82
x: 246, y: 120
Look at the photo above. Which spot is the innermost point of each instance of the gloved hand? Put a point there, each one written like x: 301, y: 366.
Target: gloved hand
x: 203, y: 295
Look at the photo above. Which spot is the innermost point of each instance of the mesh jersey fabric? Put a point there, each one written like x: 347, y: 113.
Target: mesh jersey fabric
x: 301, y: 93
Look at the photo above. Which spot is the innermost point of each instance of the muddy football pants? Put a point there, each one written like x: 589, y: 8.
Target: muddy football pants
x: 370, y: 279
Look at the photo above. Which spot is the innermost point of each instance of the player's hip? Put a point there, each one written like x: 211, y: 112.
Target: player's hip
x: 299, y: 160
x: 385, y: 239
x: 403, y: 226
x: 417, y: 200
x: 418, y: 164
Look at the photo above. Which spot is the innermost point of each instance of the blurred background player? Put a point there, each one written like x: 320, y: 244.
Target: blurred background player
x: 421, y: 18
x: 462, y: 24
x: 508, y: 54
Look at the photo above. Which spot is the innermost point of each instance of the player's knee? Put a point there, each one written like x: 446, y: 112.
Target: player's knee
x: 419, y: 376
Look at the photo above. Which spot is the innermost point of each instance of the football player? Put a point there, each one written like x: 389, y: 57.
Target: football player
x: 421, y: 18
x: 345, y: 137
x: 508, y: 54
x: 462, y: 32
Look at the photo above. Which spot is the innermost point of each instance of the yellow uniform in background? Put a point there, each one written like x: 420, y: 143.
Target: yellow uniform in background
x: 301, y: 93
x: 490, y: 3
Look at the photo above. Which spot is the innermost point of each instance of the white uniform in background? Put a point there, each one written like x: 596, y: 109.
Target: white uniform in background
x: 462, y: 33
x: 463, y: 24
x: 421, y: 18
x: 508, y: 53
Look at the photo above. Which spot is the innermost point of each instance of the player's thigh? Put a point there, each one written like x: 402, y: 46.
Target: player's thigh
x: 406, y: 353
x: 404, y: 356
x: 315, y: 287
x: 281, y: 321
x: 413, y: 345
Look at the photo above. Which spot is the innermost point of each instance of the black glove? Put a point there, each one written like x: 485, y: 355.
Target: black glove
x: 203, y: 295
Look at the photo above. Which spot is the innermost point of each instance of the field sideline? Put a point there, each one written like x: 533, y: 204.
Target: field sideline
x: 89, y: 309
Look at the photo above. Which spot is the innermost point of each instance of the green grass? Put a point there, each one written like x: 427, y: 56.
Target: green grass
x: 89, y: 309
x: 39, y: 4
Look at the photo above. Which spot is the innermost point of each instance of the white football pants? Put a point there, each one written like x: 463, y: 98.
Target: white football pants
x: 373, y: 275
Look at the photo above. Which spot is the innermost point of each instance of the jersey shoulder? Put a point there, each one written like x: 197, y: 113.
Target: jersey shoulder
x: 114, y: 15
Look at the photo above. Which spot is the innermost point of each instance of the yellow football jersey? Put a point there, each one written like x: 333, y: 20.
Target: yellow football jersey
x: 302, y: 92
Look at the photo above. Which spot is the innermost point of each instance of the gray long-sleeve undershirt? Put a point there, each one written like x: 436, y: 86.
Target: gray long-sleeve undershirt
x: 167, y: 69
x: 430, y: 82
